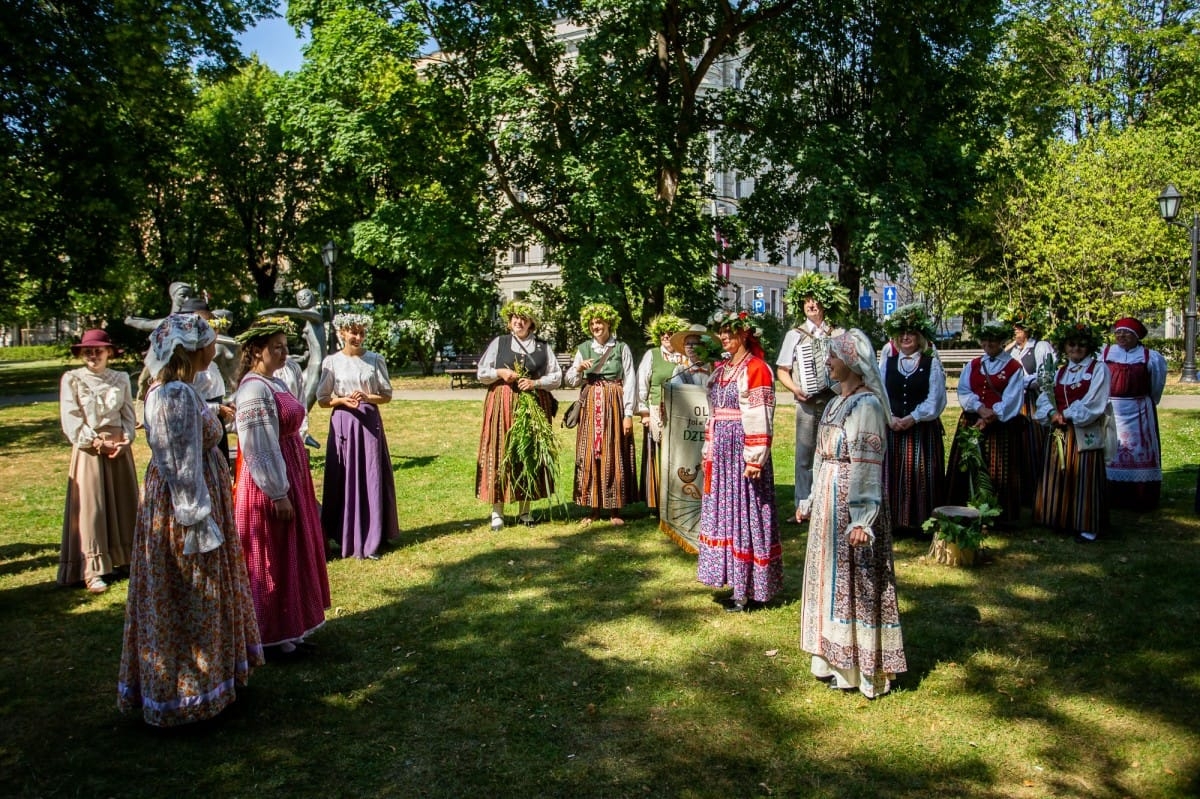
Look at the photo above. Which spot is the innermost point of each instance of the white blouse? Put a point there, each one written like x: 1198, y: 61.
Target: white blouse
x: 485, y: 371
x: 1094, y: 402
x: 89, y: 401
x: 342, y: 375
x: 258, y: 434
x: 1014, y: 393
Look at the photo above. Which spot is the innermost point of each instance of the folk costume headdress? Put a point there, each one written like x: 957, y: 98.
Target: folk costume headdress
x: 265, y: 327
x: 833, y: 296
x: 855, y: 350
x: 351, y: 319
x: 911, y: 318
x: 598, y: 310
x: 1132, y: 325
x: 522, y: 309
x: 1090, y: 336
x: 664, y: 324
x: 996, y: 330
x: 737, y: 322
x: 185, y: 330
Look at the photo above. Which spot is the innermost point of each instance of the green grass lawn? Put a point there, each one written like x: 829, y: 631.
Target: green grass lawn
x: 588, y: 662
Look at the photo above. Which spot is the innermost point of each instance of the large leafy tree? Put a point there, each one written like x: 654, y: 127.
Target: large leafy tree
x: 91, y: 96
x: 401, y: 176
x: 863, y: 124
x: 595, y: 118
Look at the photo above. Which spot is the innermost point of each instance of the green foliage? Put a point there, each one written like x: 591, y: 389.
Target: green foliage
x: 531, y: 448
x: 35, y: 352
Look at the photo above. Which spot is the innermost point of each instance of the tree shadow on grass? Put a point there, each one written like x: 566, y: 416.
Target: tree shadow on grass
x: 17, y: 558
x: 26, y: 437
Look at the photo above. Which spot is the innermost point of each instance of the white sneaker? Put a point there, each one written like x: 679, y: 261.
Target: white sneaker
x: 497, y: 521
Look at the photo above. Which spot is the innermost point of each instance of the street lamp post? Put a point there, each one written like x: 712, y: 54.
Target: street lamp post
x: 329, y: 254
x: 1169, y: 203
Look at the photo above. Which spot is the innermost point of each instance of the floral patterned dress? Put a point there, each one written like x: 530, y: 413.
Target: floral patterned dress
x: 739, y: 536
x: 190, y: 633
x: 849, y: 620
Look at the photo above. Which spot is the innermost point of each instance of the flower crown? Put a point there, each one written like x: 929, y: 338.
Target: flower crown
x: 351, y: 319
x: 1091, y: 336
x: 220, y: 323
x: 265, y: 327
x: 736, y: 321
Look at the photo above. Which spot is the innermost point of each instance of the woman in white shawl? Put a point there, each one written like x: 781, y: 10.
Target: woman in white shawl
x: 849, y: 620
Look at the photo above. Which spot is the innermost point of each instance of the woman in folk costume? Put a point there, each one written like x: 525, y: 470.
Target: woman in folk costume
x: 95, y: 407
x: 1072, y: 494
x: 1138, y: 375
x: 358, y: 504
x: 1035, y: 356
x: 699, y: 350
x: 658, y: 365
x: 276, y: 506
x: 739, y: 536
x: 190, y: 637
x: 604, y: 456
x: 914, y: 471
x: 991, y: 389
x: 849, y: 620
x: 513, y: 363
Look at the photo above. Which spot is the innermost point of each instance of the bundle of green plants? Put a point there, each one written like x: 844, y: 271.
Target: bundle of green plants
x: 531, y: 450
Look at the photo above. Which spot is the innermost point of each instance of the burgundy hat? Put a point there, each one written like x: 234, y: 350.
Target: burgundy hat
x: 95, y: 338
x: 1132, y: 325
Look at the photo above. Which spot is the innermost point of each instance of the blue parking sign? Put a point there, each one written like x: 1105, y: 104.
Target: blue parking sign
x: 759, y: 305
x: 889, y: 307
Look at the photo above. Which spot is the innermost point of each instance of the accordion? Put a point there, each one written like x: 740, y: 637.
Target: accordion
x: 808, y: 365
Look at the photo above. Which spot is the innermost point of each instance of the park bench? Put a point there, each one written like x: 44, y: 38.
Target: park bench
x: 462, y: 369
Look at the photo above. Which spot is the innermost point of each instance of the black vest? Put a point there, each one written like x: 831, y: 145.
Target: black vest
x: 536, y: 362
x: 906, y: 393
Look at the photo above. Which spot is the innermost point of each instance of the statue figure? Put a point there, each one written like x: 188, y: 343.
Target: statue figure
x: 314, y: 339
x: 180, y: 292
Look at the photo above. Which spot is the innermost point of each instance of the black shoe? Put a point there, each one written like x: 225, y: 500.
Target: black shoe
x: 737, y: 607
x: 1080, y: 538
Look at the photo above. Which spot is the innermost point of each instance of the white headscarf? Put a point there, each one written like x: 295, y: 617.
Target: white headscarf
x: 185, y: 330
x: 858, y: 353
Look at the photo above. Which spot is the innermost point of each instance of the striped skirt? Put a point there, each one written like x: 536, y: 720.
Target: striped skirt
x: 1002, y: 444
x: 650, y: 477
x: 1072, y: 494
x: 604, y: 454
x: 493, y: 482
x: 914, y: 473
x: 1034, y: 446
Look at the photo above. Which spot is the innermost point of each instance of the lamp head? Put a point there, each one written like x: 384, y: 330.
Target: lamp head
x: 329, y: 254
x: 1169, y: 202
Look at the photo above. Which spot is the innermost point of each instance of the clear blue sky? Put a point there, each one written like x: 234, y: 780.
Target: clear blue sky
x: 276, y: 44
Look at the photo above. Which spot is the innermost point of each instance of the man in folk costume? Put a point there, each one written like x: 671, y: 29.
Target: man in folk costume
x: 801, y: 367
x: 1035, y: 355
x: 1138, y: 375
x: 990, y: 391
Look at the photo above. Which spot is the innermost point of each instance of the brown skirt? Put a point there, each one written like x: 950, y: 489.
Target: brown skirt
x: 99, y: 517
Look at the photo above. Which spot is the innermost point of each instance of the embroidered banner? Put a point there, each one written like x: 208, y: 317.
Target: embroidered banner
x: 686, y: 413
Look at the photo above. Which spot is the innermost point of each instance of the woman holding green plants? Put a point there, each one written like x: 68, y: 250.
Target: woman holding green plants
x: 849, y: 619
x: 516, y: 445
x: 1071, y: 496
x: 604, y: 459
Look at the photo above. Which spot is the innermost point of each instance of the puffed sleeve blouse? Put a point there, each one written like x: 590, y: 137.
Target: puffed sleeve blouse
x: 174, y: 420
x: 342, y: 375
x: 89, y: 402
x: 258, y: 434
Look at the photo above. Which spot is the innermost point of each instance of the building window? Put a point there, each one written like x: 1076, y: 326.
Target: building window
x: 518, y: 256
x: 775, y: 301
